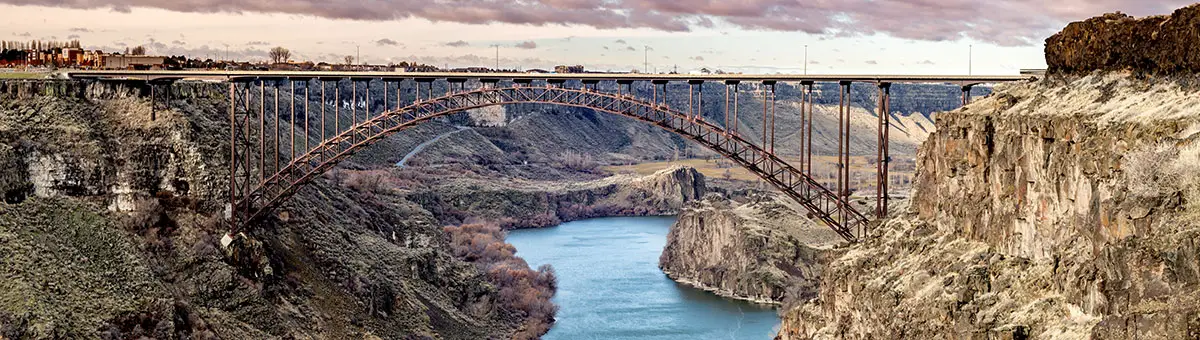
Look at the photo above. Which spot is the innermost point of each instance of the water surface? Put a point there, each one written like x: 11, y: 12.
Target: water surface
x: 610, y: 287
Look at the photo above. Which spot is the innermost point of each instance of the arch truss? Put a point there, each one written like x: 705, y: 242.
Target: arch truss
x: 273, y: 153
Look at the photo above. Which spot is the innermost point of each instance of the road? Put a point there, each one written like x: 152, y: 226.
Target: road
x: 422, y: 146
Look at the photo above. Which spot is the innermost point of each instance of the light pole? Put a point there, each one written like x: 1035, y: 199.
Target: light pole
x: 805, y: 59
x: 497, y: 46
x: 646, y: 59
x: 970, y: 59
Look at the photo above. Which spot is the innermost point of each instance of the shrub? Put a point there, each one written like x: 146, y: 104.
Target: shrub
x: 577, y: 162
x: 371, y: 183
x: 520, y: 290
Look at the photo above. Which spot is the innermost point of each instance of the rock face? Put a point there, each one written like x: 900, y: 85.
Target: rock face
x: 762, y: 251
x: 1115, y: 41
x: 542, y: 204
x: 1047, y: 210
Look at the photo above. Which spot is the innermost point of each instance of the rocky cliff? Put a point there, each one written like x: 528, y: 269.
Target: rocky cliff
x: 1159, y: 45
x: 1048, y: 210
x: 761, y: 251
x: 110, y: 228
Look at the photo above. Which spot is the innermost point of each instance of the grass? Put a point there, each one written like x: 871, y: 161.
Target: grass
x: 23, y: 75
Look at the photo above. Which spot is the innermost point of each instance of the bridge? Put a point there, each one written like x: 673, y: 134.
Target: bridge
x: 266, y: 170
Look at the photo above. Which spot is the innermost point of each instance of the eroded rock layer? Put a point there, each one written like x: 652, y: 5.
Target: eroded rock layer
x: 1048, y: 210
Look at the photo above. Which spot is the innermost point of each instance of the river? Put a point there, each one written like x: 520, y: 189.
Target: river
x: 610, y: 287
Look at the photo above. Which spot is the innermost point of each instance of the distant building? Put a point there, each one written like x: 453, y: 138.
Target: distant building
x: 568, y: 69
x: 119, y: 61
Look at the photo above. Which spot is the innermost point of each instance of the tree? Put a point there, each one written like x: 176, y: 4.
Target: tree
x: 705, y: 70
x: 280, y: 55
x: 349, y: 60
x: 140, y: 50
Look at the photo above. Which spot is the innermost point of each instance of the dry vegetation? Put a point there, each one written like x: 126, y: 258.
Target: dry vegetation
x: 522, y: 290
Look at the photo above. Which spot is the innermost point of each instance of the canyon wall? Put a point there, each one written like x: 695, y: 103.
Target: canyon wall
x: 110, y: 227
x: 535, y: 204
x: 1050, y: 209
x: 1061, y: 208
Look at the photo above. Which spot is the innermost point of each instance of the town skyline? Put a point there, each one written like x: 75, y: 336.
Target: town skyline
x: 708, y: 38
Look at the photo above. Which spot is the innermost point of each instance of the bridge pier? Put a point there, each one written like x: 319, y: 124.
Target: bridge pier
x: 884, y: 159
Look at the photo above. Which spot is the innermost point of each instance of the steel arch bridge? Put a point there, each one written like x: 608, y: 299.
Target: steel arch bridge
x: 259, y: 186
x: 253, y: 198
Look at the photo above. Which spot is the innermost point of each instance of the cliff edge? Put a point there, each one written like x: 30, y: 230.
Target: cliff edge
x: 1159, y: 45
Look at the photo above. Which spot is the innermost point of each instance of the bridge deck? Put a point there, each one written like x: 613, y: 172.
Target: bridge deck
x: 249, y: 75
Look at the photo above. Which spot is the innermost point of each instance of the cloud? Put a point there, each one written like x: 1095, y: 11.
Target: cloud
x: 26, y: 34
x: 1016, y: 22
x: 459, y: 43
x: 80, y: 30
x: 257, y: 43
x: 606, y: 47
x: 620, y: 41
x: 630, y: 48
x: 178, y: 43
x: 387, y: 42
x: 529, y: 45
x: 872, y: 62
x: 697, y: 58
x: 926, y: 62
x: 73, y: 36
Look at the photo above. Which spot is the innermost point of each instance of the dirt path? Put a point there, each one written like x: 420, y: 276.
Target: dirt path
x: 422, y: 146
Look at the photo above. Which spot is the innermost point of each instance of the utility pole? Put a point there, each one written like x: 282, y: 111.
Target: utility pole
x: 358, y: 54
x: 970, y: 59
x: 497, y: 46
x: 805, y: 59
x: 646, y: 60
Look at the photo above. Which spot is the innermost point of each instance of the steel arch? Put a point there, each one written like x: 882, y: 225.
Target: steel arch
x: 270, y: 192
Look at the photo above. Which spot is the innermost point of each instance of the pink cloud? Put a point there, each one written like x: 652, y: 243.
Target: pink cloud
x: 1013, y: 22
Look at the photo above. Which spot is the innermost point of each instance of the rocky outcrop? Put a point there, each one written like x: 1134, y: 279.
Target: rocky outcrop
x: 1114, y: 42
x: 535, y: 204
x: 1048, y: 210
x: 761, y: 251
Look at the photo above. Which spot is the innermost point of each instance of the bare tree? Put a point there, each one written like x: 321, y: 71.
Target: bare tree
x: 140, y: 50
x: 280, y: 55
x: 349, y: 60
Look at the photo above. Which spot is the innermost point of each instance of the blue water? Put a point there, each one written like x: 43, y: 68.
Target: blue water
x: 610, y: 287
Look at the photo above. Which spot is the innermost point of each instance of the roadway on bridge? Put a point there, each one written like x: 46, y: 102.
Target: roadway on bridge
x: 251, y: 75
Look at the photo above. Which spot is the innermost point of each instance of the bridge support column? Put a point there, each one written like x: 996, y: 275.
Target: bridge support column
x: 884, y: 159
x: 806, y: 102
x: 241, y: 169
x: 966, y: 95
x: 843, y: 150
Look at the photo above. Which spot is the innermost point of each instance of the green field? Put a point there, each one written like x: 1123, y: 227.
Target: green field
x: 22, y: 75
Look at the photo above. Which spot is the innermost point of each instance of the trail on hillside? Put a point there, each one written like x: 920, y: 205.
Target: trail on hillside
x: 422, y: 146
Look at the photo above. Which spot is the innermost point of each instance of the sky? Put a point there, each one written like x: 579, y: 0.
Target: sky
x: 751, y: 36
